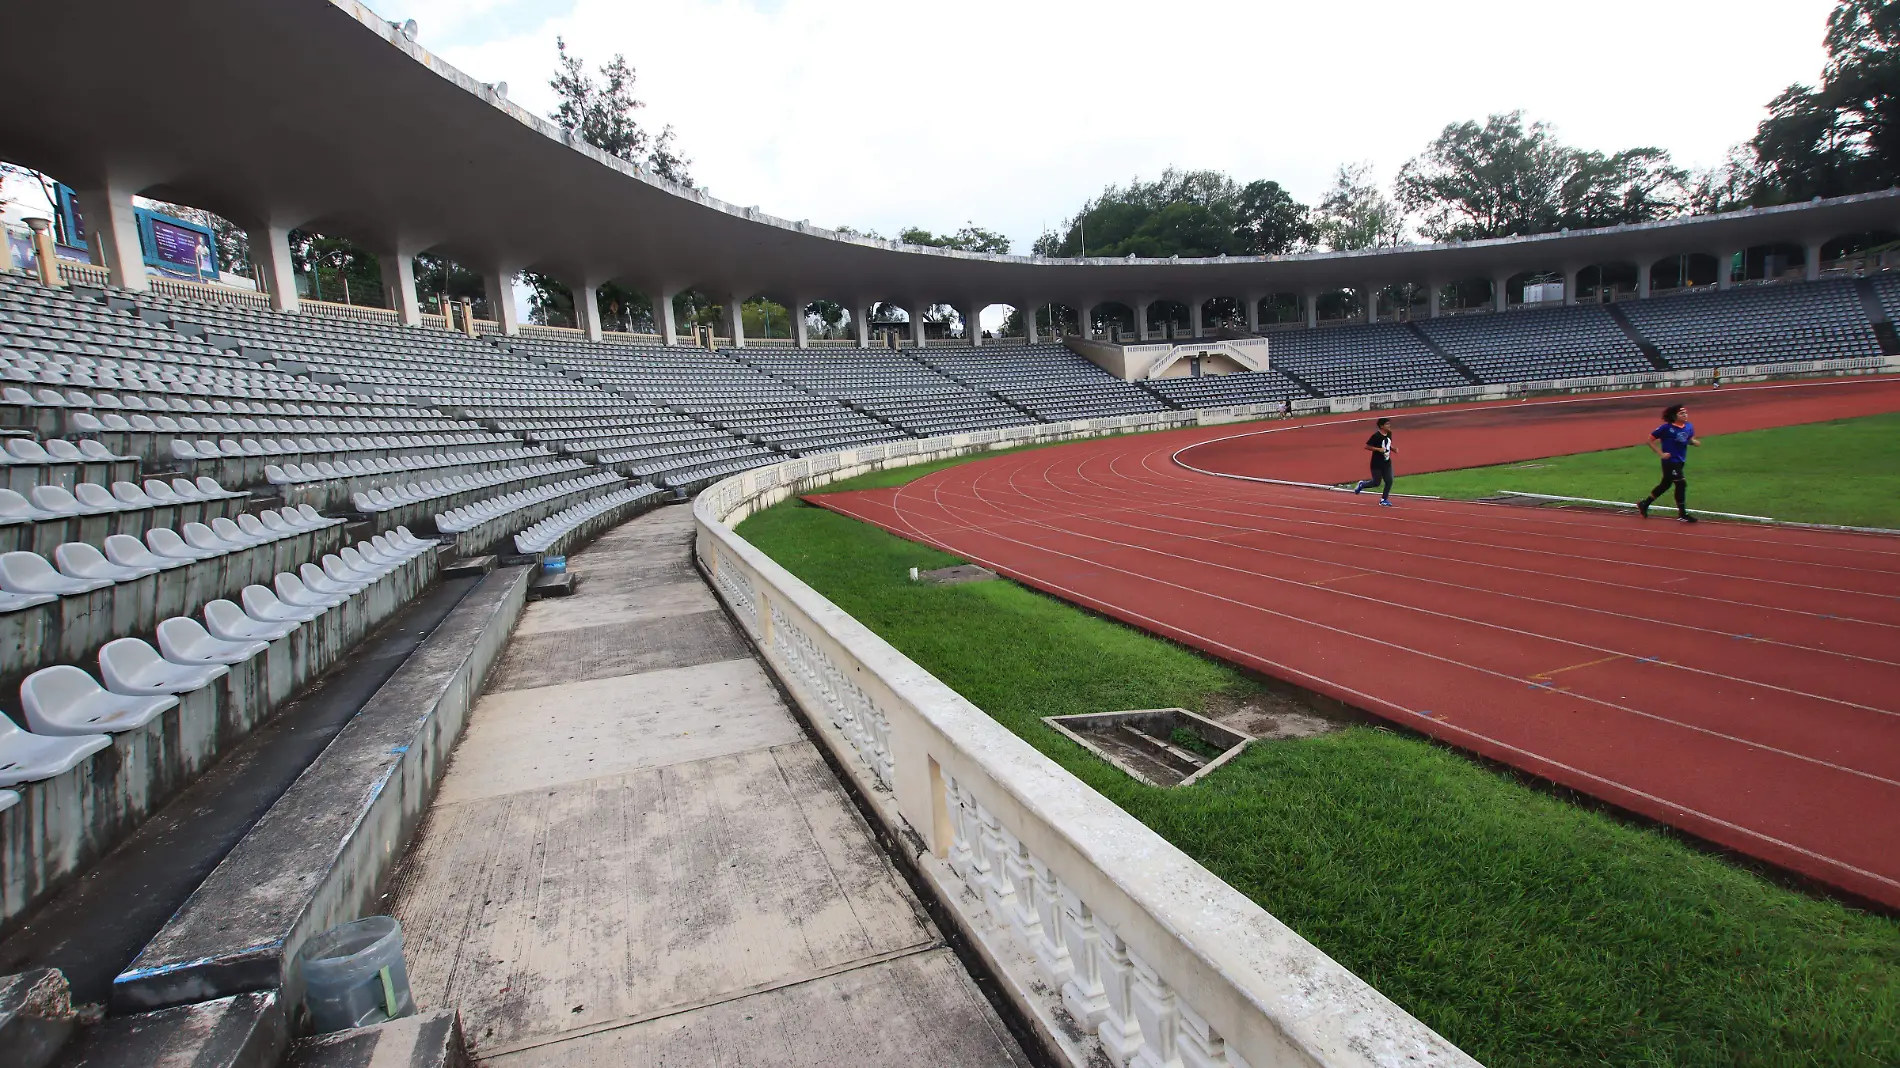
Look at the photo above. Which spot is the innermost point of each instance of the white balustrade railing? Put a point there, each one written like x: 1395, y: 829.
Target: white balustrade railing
x: 1115, y: 942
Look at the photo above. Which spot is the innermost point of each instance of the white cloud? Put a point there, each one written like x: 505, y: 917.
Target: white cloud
x: 1010, y: 113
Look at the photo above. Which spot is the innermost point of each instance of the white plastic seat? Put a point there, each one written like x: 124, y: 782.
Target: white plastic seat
x: 130, y: 666
x: 24, y: 572
x: 207, y: 541
x: 161, y: 491
x: 27, y: 757
x: 183, y: 640
x: 15, y: 508
x: 210, y: 488
x: 26, y: 451
x: 166, y: 542
x: 322, y: 580
x: 56, y: 500
x: 62, y: 450
x: 260, y: 603
x: 186, y: 490
x: 131, y: 496
x: 224, y: 619
x: 92, y: 450
x: 255, y: 528
x: 311, y: 516
x: 8, y: 799
x: 80, y: 560
x: 233, y: 534
x: 97, y: 499
x: 124, y: 550
x: 65, y: 701
x: 291, y: 590
x: 354, y: 559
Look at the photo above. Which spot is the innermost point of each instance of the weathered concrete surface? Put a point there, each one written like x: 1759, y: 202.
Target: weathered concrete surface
x: 319, y: 856
x: 36, y: 1017
x: 657, y: 867
x: 425, y: 1040
x: 242, y: 1031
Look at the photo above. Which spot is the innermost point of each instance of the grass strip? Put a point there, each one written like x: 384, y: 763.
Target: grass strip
x: 1528, y: 930
x: 1846, y: 471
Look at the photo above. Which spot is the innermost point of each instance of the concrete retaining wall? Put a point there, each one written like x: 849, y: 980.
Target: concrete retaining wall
x: 320, y: 855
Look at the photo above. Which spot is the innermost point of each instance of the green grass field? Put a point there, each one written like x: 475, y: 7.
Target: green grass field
x: 1846, y: 471
x: 1528, y: 930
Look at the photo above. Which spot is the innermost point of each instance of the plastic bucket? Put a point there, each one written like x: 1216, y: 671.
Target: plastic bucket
x: 354, y: 975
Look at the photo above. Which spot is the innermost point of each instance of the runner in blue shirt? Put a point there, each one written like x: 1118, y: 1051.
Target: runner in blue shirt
x: 1671, y: 441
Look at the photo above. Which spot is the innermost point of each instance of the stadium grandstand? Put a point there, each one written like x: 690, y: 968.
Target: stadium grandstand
x: 270, y: 561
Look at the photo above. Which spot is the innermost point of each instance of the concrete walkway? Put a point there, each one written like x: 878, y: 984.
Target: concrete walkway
x: 637, y: 856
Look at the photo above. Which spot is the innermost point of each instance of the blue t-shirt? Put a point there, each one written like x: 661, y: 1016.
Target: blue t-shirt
x: 1675, y: 440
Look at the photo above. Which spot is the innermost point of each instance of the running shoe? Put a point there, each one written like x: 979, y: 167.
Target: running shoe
x: 1359, y: 488
x: 1686, y: 518
x: 1383, y: 503
x: 1643, y: 507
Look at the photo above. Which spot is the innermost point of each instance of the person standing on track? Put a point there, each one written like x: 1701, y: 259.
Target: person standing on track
x: 1671, y: 442
x: 1380, y: 446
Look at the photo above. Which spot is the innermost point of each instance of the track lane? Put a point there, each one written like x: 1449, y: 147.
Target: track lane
x: 1735, y: 681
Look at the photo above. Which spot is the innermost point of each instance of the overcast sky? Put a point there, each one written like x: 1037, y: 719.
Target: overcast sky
x: 1009, y: 113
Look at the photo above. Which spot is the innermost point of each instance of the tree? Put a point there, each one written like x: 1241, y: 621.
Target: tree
x: 971, y: 238
x: 1182, y: 213
x: 233, y: 245
x: 1842, y: 136
x: 1356, y: 213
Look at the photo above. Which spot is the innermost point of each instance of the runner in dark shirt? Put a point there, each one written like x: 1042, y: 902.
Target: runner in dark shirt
x: 1671, y: 442
x: 1380, y: 446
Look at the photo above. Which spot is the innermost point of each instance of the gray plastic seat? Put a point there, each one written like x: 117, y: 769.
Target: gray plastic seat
x: 262, y: 604
x: 224, y: 619
x: 97, y: 499
x: 320, y: 580
x: 291, y: 590
x: 25, y: 572
x: 66, y: 701
x: 56, y: 500
x: 127, y: 551
x: 28, y: 757
x: 130, y: 666
x: 80, y: 560
x: 15, y: 508
x: 166, y: 542
x: 183, y: 640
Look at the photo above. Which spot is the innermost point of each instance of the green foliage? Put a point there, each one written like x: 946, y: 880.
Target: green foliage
x: 1356, y: 214
x: 1845, y: 472
x: 1505, y: 178
x: 1183, y: 213
x: 1528, y: 930
x: 971, y: 238
x: 1842, y: 136
x: 600, y: 112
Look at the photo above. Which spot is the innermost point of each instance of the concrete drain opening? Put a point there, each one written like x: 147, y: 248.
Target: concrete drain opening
x: 1159, y: 746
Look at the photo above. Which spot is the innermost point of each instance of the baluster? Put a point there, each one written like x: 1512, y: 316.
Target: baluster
x: 1121, y: 1025
x: 1052, y: 957
x: 956, y: 804
x: 1084, y: 995
x: 1023, y: 917
x: 1197, y: 1043
x: 1154, y: 1006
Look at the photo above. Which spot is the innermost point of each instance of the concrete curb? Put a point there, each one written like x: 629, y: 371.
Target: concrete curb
x: 319, y: 856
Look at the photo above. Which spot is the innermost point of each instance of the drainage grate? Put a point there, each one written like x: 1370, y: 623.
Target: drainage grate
x: 1159, y: 746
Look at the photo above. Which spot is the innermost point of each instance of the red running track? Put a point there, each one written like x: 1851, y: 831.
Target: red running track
x: 1740, y: 682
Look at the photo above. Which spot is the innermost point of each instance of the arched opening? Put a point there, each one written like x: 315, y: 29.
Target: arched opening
x: 1167, y: 319
x: 1463, y: 295
x: 1281, y: 309
x: 1778, y: 262
x: 1861, y: 254
x: 1341, y: 305
x: 1113, y: 320
x: 1605, y: 283
x: 1682, y: 272
x: 1223, y: 314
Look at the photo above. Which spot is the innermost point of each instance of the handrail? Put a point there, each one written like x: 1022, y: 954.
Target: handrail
x: 1113, y: 939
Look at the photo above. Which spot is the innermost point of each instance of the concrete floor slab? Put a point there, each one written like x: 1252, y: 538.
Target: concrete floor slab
x: 637, y: 605
x: 613, y: 898
x: 917, y: 1009
x: 527, y: 739
x: 626, y: 648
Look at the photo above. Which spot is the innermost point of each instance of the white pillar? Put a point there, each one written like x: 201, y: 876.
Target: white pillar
x: 1501, y: 293
x: 1141, y: 318
x: 1029, y: 321
x: 43, y: 251
x: 1085, y: 319
x: 1811, y: 265
x: 112, y: 233
x: 799, y: 333
x: 665, y: 319
x: 735, y: 321
x: 1370, y: 298
x: 1194, y: 316
x: 861, y: 322
x: 1642, y: 279
x: 916, y: 311
x: 972, y: 324
x: 1253, y: 312
x: 1311, y: 302
x: 1432, y: 291
x: 399, y: 286
x: 1724, y: 269
x: 1570, y: 285
x: 270, y: 254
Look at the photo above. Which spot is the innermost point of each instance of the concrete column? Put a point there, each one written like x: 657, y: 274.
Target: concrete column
x: 399, y: 288
x: 1432, y: 290
x: 44, y: 252
x: 861, y: 323
x: 270, y: 252
x: 1085, y: 319
x: 735, y: 320
x: 800, y: 335
x: 1369, y: 296
x: 1811, y: 265
x: 972, y: 324
x: 665, y: 319
x: 1501, y: 293
x: 112, y: 233
x: 1253, y: 312
x: 1141, y: 318
x: 1570, y: 286
x: 1724, y: 269
x: 1029, y: 321
x: 1194, y: 316
x: 1310, y: 301
x: 917, y: 324
x: 1642, y: 279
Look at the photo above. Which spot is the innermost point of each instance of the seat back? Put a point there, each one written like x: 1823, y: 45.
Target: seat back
x: 49, y: 693
x: 123, y: 660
